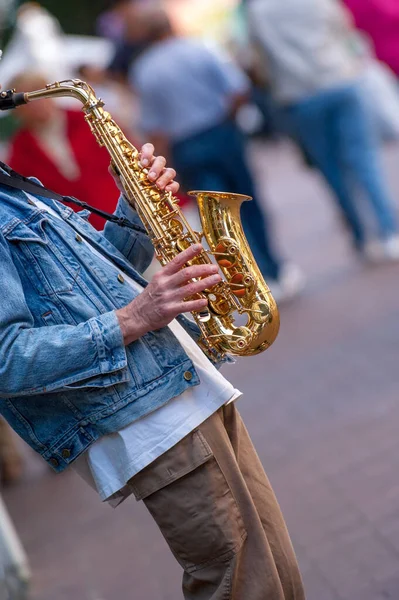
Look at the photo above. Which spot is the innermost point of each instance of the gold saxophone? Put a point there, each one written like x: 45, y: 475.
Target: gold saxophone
x: 243, y: 295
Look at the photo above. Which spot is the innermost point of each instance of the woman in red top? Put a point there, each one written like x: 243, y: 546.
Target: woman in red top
x: 56, y: 146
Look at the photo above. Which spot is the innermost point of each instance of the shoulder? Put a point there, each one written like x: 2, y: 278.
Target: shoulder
x: 156, y: 60
x: 21, y: 137
x: 75, y: 118
x: 20, y: 150
x: 193, y: 49
x: 145, y: 71
x: 73, y: 114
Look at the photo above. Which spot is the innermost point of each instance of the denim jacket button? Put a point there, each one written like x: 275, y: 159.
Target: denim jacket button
x: 66, y: 453
x: 188, y: 376
x: 121, y: 279
x: 54, y: 462
x: 78, y: 238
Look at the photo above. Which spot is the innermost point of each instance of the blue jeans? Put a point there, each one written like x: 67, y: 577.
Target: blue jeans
x: 336, y: 131
x: 215, y: 160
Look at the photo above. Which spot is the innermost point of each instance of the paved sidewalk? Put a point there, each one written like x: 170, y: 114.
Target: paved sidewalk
x: 322, y: 407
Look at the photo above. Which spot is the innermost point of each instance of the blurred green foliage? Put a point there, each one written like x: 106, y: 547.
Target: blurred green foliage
x: 8, y: 126
x: 75, y: 16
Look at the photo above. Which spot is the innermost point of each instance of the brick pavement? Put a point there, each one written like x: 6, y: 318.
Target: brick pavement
x: 321, y: 407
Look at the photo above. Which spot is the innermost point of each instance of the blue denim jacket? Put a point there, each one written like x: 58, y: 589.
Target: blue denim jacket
x: 66, y: 378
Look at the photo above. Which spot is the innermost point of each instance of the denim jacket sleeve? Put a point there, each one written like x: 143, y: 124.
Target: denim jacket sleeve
x: 47, y: 359
x: 134, y: 244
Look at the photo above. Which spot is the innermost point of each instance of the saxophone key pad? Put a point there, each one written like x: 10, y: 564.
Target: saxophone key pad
x: 241, y: 338
x: 261, y: 313
x: 226, y: 255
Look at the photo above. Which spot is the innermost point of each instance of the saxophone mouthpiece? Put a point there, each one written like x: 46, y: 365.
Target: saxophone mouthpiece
x: 9, y: 99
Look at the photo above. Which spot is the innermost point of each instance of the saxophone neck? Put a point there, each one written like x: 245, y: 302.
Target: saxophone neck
x: 73, y: 88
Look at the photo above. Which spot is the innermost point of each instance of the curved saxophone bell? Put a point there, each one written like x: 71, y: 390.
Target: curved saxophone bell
x: 242, y: 318
x: 251, y: 300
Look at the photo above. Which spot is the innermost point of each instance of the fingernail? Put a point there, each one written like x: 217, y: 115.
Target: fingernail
x: 152, y: 175
x: 144, y: 162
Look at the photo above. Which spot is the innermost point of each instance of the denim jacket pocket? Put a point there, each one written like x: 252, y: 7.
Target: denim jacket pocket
x: 39, y: 259
x: 84, y: 214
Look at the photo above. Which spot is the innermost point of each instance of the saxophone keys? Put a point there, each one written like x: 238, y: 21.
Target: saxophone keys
x: 226, y: 254
x: 241, y: 285
x: 155, y: 195
x: 175, y: 228
x: 204, y: 315
x: 218, y: 304
x: 198, y: 236
x: 260, y: 313
x: 240, y: 338
x: 182, y: 244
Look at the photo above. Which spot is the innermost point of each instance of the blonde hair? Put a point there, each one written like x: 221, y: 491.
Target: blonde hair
x: 27, y: 81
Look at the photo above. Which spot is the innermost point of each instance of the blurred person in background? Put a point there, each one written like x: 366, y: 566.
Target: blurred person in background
x: 37, y: 43
x: 118, y: 98
x: 10, y: 457
x: 379, y: 19
x: 112, y: 25
x: 111, y: 22
x: 123, y: 106
x: 56, y: 146
x: 189, y: 97
x: 315, y: 77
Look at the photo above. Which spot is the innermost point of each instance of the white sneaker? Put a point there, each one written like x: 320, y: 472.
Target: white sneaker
x: 391, y: 247
x: 379, y: 251
x: 290, y: 283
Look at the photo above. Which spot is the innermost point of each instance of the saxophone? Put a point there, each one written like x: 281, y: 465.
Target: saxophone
x: 242, y: 318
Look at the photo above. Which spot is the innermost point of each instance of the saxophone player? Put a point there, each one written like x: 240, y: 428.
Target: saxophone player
x: 98, y: 364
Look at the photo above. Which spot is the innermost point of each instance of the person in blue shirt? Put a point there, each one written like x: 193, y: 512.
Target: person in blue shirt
x: 315, y: 78
x: 189, y: 96
x: 100, y: 372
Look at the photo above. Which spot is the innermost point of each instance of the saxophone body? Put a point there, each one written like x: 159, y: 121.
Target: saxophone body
x: 242, y: 318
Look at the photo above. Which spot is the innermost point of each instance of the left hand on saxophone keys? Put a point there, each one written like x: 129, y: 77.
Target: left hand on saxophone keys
x: 158, y: 172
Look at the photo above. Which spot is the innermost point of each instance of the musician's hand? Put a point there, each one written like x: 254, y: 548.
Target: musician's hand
x: 162, y: 176
x: 166, y: 295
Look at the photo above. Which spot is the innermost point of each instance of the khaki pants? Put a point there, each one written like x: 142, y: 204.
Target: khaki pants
x: 10, y: 459
x: 216, y: 509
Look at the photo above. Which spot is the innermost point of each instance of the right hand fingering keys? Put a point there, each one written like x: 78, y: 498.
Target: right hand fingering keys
x: 172, y: 289
x: 171, y: 292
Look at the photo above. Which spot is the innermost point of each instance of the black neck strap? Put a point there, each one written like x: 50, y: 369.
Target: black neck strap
x: 17, y: 181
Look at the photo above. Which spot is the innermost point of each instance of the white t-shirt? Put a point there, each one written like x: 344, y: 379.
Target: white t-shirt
x: 308, y: 45
x: 53, y: 138
x: 111, y: 461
